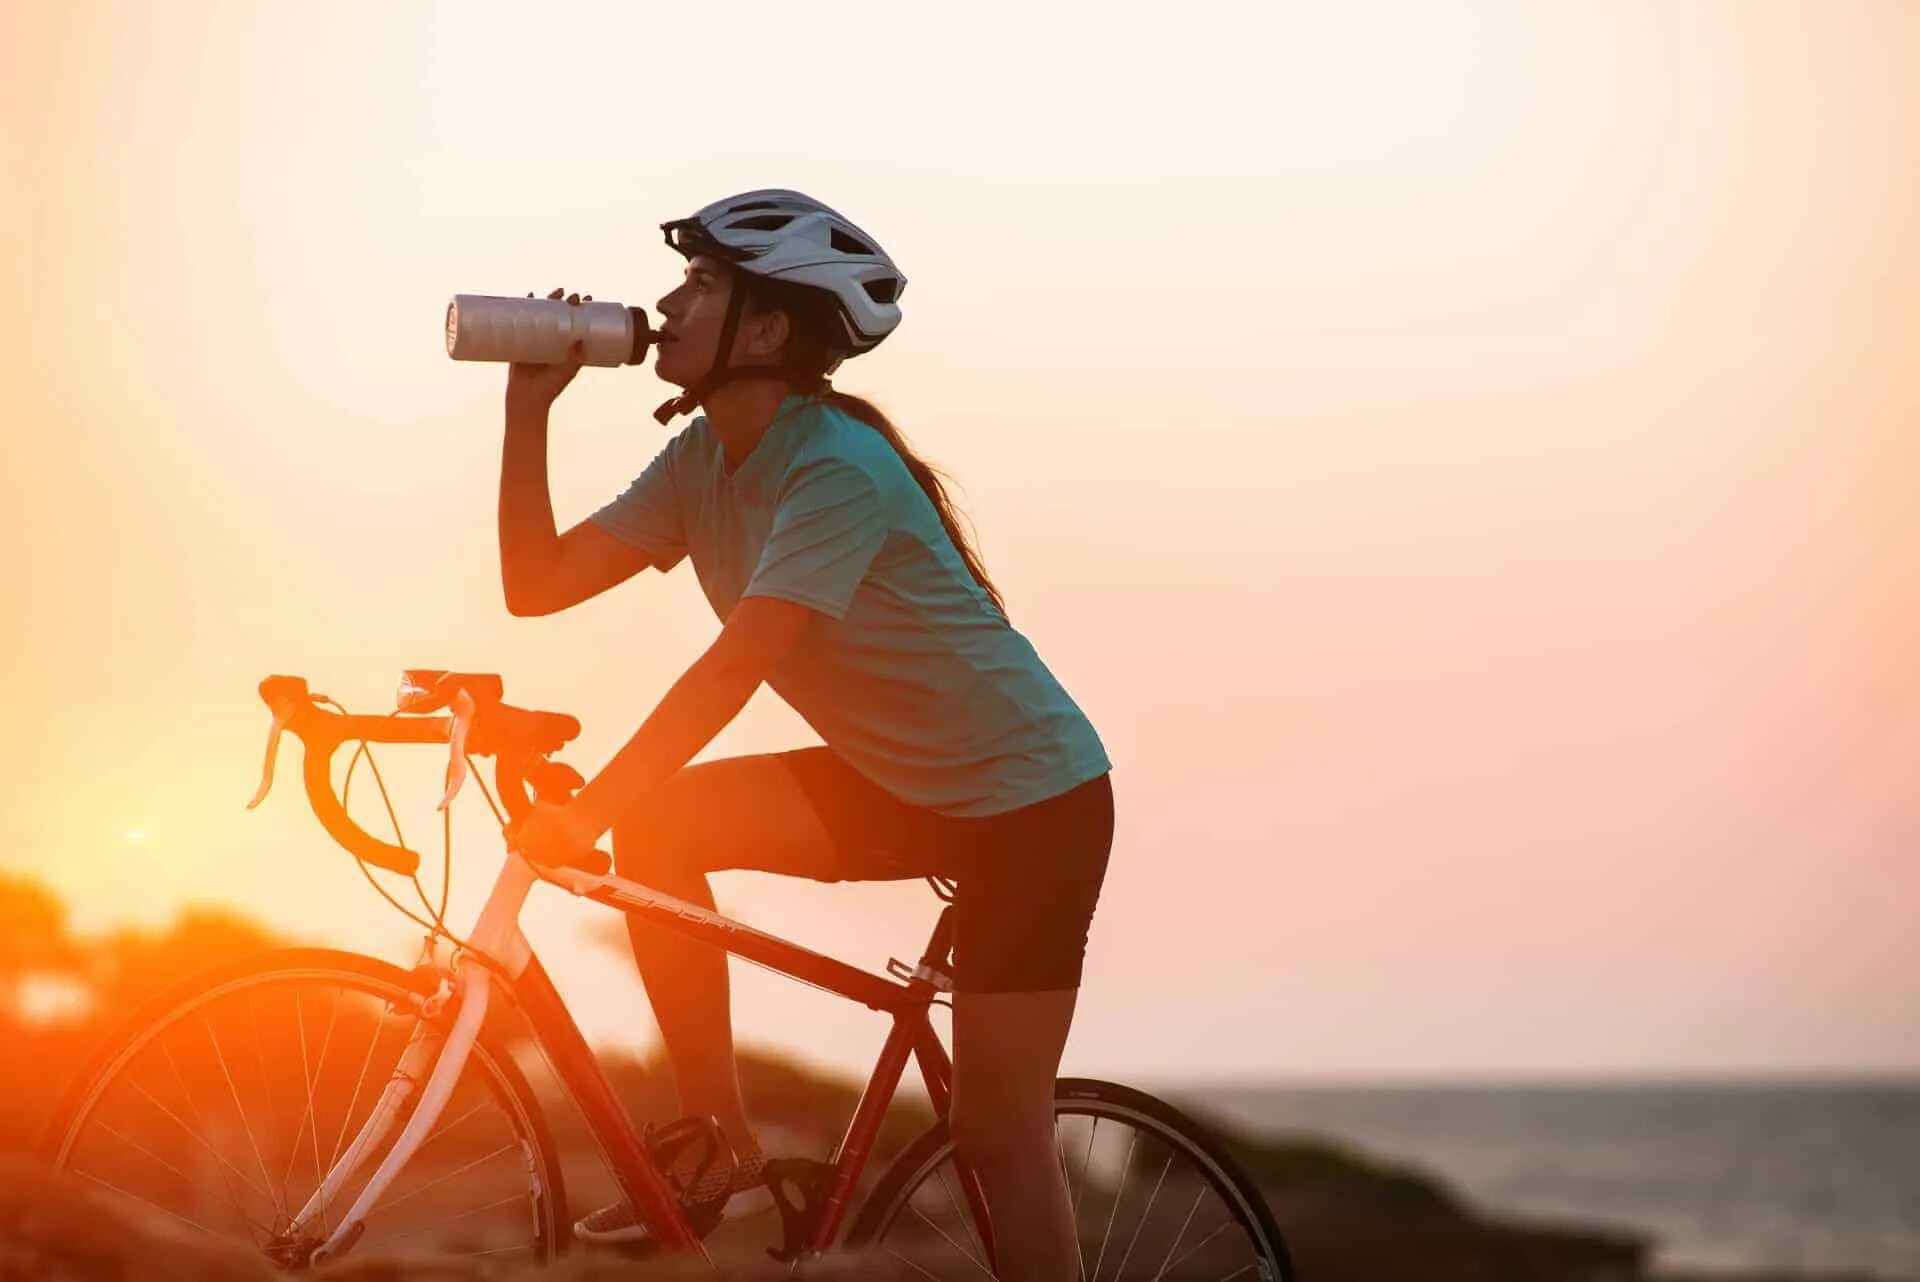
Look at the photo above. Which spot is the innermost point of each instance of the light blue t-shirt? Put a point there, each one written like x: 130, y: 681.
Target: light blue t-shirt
x: 914, y: 677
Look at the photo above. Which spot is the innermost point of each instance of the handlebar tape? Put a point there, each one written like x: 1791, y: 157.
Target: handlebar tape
x: 320, y: 734
x: 340, y: 825
x: 518, y: 737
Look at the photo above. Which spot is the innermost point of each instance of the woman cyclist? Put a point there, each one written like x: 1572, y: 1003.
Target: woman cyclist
x: 832, y: 556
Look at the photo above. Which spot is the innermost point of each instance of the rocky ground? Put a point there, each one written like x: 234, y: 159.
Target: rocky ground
x: 55, y: 1228
x: 1347, y: 1216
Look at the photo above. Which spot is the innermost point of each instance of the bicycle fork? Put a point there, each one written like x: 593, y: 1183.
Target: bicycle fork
x: 433, y: 1053
x: 436, y: 1053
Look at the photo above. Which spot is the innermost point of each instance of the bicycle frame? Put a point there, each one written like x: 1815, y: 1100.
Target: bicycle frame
x: 438, y: 1050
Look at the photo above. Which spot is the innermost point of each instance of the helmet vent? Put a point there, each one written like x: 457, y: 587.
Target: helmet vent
x: 884, y: 290
x: 849, y: 245
x: 761, y: 222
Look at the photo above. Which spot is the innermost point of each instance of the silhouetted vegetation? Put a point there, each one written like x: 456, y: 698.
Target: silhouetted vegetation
x: 60, y: 997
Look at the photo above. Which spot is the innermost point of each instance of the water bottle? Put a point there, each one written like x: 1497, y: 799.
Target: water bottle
x: 539, y: 331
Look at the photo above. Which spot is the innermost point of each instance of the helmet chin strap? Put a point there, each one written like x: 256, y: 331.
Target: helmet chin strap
x: 724, y: 370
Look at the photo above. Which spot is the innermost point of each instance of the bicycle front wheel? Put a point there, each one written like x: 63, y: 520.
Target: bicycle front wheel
x: 224, y: 1103
x: 1154, y: 1196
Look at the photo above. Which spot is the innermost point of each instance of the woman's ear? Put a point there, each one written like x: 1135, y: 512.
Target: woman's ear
x: 767, y: 333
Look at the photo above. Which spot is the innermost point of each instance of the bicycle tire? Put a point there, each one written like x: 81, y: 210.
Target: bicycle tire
x: 1078, y: 1097
x: 490, y: 1066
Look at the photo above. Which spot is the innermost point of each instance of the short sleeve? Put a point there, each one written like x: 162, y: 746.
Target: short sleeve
x: 828, y: 525
x: 648, y: 514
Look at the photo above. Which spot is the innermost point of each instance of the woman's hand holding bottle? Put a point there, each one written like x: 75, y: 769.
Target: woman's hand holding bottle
x: 536, y: 387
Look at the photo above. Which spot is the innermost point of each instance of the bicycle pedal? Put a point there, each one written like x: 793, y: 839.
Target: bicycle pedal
x: 809, y: 1179
x: 688, y: 1151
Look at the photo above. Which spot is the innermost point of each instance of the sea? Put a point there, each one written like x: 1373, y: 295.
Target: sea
x: 1784, y: 1177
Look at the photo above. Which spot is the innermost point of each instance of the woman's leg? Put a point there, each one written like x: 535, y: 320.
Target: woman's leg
x: 737, y: 812
x: 1021, y: 922
x: 1006, y: 1053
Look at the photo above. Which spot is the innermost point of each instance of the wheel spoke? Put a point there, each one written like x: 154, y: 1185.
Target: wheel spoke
x: 310, y: 1118
x: 1145, y: 1214
x: 910, y: 1264
x: 494, y: 1250
x: 379, y: 1026
x: 445, y: 1127
x: 245, y: 1125
x: 142, y: 1149
x: 508, y: 1200
x: 306, y: 1087
x: 910, y: 1226
x: 87, y: 1175
x: 1194, y: 1249
x: 1119, y: 1195
x: 950, y: 1242
x: 1086, y: 1168
x: 442, y: 1179
x: 196, y: 1137
x: 1181, y: 1235
x: 266, y: 1080
x: 194, y: 1109
x: 1066, y: 1182
x: 483, y: 1187
x: 964, y: 1215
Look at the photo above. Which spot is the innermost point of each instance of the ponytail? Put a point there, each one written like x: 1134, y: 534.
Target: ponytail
x: 930, y: 480
x: 811, y: 354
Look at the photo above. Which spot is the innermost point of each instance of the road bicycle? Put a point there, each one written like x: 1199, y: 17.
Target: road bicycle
x: 317, y: 1102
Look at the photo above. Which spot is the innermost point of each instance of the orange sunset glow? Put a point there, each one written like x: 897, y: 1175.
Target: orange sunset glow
x: 1460, y: 457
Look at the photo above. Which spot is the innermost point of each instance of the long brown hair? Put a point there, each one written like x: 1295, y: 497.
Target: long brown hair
x: 813, y: 316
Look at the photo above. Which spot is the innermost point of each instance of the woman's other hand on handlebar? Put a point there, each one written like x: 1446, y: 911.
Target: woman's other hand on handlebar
x: 538, y: 386
x: 554, y: 835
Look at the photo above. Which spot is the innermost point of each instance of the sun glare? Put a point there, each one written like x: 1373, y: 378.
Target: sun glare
x: 52, y: 999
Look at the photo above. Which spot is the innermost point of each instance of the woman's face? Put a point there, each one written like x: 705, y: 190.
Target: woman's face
x: 690, y: 321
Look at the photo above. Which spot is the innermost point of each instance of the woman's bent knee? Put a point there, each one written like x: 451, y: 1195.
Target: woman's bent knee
x: 652, y: 841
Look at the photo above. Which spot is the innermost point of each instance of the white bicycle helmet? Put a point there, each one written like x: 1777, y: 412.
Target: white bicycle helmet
x: 787, y: 236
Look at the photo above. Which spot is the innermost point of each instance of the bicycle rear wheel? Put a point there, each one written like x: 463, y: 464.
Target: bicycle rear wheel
x: 1155, y: 1197
x: 225, y: 1101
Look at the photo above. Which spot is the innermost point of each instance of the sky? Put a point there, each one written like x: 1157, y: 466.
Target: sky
x: 1458, y: 455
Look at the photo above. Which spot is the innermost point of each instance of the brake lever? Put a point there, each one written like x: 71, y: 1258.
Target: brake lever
x: 463, y: 714
x: 280, y: 719
x: 288, y: 697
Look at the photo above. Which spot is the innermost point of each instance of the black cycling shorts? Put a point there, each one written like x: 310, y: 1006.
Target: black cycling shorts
x: 1028, y: 879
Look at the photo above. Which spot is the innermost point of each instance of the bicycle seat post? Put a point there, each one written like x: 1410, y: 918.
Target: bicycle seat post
x: 940, y: 946
x: 934, y: 967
